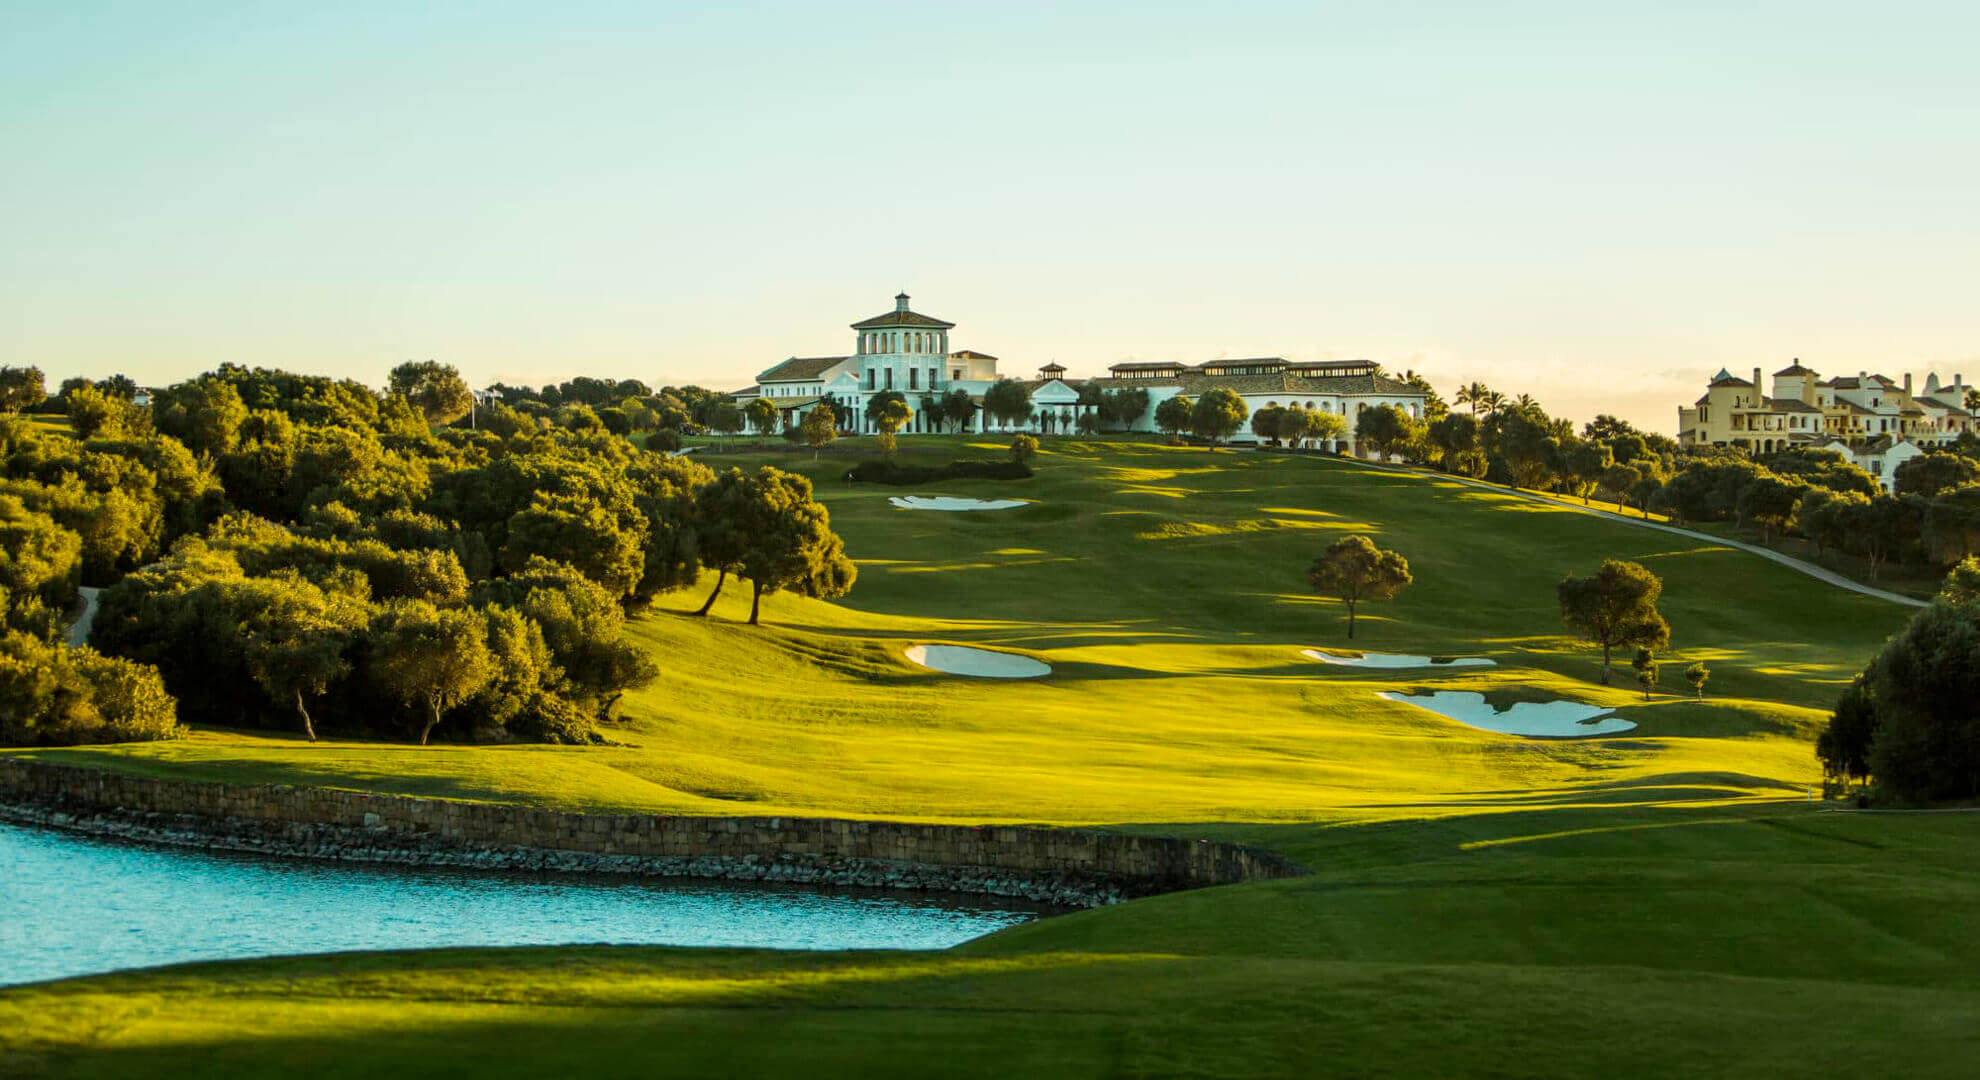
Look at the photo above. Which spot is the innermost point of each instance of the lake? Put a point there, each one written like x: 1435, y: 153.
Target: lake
x: 73, y: 905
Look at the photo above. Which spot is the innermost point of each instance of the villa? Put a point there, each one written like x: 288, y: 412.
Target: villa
x: 905, y: 351
x: 1870, y: 420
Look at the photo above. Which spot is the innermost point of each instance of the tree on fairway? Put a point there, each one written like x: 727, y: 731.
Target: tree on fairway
x: 21, y: 388
x: 1269, y: 423
x: 1007, y: 402
x: 1386, y: 429
x: 1023, y: 449
x: 1931, y: 473
x: 1325, y: 427
x: 1454, y: 437
x: 1353, y: 569
x: 888, y: 412
x: 716, y: 514
x: 1615, y: 607
x: 1172, y: 415
x: 762, y: 416
x: 1922, y: 688
x: 819, y: 427
x: 424, y: 654
x: 436, y: 390
x: 957, y: 408
x: 1217, y: 415
x: 1696, y: 675
x: 723, y: 416
x: 1844, y: 745
x: 1962, y: 584
x: 1582, y: 466
x: 789, y: 542
x: 296, y: 645
x: 1645, y: 664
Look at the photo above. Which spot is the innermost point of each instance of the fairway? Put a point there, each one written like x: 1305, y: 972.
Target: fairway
x: 1481, y: 903
x: 1165, y: 588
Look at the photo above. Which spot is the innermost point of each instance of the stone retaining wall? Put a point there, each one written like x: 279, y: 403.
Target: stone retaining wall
x: 1072, y: 867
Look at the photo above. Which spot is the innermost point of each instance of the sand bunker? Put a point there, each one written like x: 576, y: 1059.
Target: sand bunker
x: 1544, y: 720
x: 944, y: 502
x: 1394, y: 660
x: 981, y: 663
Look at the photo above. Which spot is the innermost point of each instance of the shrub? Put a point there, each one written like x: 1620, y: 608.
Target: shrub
x: 899, y: 475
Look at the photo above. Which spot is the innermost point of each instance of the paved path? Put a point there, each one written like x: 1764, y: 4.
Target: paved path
x: 1792, y: 563
x: 79, y: 630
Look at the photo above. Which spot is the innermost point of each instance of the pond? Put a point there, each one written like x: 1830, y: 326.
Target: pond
x: 72, y: 905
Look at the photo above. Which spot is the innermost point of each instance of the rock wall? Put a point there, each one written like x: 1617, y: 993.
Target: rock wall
x: 1072, y: 867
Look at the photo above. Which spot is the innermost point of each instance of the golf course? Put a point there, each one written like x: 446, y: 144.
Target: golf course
x: 1665, y: 895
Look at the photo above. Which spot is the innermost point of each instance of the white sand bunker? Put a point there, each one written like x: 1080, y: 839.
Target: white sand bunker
x: 1545, y: 720
x: 1394, y: 660
x: 981, y: 663
x: 945, y: 502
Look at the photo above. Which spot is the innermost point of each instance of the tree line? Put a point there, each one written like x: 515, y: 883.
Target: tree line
x: 289, y: 551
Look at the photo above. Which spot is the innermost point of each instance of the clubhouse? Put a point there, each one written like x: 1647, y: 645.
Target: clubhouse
x: 908, y: 352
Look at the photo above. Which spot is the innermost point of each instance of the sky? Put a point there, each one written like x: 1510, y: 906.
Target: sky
x: 1597, y: 204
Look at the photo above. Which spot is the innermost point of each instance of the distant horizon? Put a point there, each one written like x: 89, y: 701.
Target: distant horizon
x: 1600, y: 206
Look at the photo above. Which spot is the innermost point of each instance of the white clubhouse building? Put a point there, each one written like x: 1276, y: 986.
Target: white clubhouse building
x: 905, y: 351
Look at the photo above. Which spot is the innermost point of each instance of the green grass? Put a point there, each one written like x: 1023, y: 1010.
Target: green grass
x: 1656, y: 903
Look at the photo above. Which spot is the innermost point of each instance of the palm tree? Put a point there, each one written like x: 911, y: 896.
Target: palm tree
x: 1494, y: 401
x: 1473, y: 394
x: 1526, y: 404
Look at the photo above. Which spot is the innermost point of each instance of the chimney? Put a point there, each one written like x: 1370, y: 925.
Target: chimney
x: 900, y: 302
x: 1758, y: 394
x: 1907, y: 384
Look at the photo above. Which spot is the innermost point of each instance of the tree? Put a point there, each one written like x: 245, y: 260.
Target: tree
x: 205, y: 414
x: 1217, y: 415
x: 1023, y: 449
x: 957, y: 408
x: 1616, y: 607
x: 1172, y: 415
x: 1922, y: 688
x: 1269, y: 423
x: 788, y: 540
x: 1770, y: 501
x: 1475, y: 394
x: 1645, y: 664
x: 423, y: 654
x: 888, y: 412
x: 1455, y: 439
x: 436, y: 390
x: 1582, y: 466
x: 1325, y: 427
x: 1951, y: 528
x: 762, y: 416
x: 1962, y: 584
x: 1123, y: 407
x: 1696, y: 675
x: 723, y: 416
x: 1386, y: 429
x: 1007, y: 402
x: 819, y: 427
x: 92, y: 412
x: 1931, y: 473
x: 1353, y: 569
x: 296, y: 645
x: 1845, y: 742
x: 21, y: 388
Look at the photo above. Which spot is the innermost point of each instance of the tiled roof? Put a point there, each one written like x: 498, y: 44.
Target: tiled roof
x: 1795, y: 369
x: 1149, y: 365
x: 1195, y: 383
x: 1729, y: 380
x: 970, y: 354
x: 901, y: 318
x: 1795, y: 405
x: 802, y: 368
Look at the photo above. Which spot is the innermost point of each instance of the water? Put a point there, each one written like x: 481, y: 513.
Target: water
x: 72, y: 905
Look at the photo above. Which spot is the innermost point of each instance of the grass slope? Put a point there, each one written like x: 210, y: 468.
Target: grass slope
x: 1655, y: 903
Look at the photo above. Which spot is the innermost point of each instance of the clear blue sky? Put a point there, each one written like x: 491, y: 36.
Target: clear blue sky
x: 1599, y: 204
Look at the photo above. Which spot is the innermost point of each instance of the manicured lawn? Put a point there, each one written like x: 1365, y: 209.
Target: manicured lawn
x: 1662, y: 902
